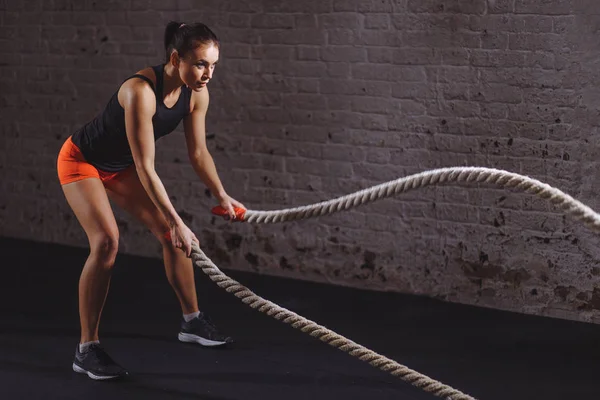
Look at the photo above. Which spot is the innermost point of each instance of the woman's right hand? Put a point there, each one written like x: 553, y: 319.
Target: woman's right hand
x: 182, y: 238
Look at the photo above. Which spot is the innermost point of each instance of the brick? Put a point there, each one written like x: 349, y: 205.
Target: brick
x: 251, y: 36
x: 271, y: 180
x: 343, y: 153
x: 370, y: 88
x: 457, y: 213
x: 416, y: 57
x: 380, y: 38
x: 376, y: 6
x: 564, y: 25
x: 545, y: 7
x: 442, y: 39
x: 490, y: 23
x: 522, y: 77
x: 271, y: 52
x: 297, y: 36
x: 494, y: 111
x: 497, y: 94
x: 556, y: 97
x: 382, y: 55
x: 312, y: 183
x: 377, y: 21
x: 240, y: 20
x: 494, y: 41
x: 331, y: 168
x: 345, y: 5
x: 455, y: 91
x: 343, y: 53
x: 535, y: 41
x: 342, y: 36
x: 496, y: 58
x: 339, y: 103
x: 533, y: 24
x: 500, y: 6
x: 413, y: 90
x: 408, y: 157
x: 448, y: 6
x: 306, y: 134
x: 273, y: 21
x: 543, y: 60
x: 340, y: 20
x: 459, y: 74
x: 537, y: 113
x: 375, y: 172
x: 453, y: 56
x: 434, y: 23
x: 374, y: 105
x: 374, y: 122
x: 308, y: 6
x: 378, y: 156
x: 306, y: 85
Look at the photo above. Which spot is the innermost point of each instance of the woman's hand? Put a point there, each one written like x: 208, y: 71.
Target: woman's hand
x: 228, y: 203
x: 182, y: 238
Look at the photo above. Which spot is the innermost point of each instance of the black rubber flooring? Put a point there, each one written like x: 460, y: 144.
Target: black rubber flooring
x: 486, y: 353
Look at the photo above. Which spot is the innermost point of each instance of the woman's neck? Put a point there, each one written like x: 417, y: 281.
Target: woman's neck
x: 172, y: 81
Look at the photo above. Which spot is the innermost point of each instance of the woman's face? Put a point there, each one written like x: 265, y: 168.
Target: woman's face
x: 197, y: 66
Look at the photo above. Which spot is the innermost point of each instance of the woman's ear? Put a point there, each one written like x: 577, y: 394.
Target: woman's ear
x: 174, y: 59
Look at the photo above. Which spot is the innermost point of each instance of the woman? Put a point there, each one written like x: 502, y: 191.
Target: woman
x: 113, y: 157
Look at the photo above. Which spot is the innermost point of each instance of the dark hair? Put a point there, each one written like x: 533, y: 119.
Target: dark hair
x: 183, y: 37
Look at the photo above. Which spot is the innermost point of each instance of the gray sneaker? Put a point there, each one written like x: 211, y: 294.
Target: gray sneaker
x: 203, y: 331
x: 97, y: 364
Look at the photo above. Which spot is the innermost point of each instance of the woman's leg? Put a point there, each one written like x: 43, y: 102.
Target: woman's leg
x: 90, y: 204
x: 127, y: 192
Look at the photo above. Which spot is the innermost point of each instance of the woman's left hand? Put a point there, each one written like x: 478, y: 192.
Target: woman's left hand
x: 228, y: 203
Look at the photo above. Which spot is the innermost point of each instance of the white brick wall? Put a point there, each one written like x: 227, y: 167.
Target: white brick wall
x: 315, y: 99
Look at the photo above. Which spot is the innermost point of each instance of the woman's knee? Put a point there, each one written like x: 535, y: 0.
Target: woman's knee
x: 105, y: 247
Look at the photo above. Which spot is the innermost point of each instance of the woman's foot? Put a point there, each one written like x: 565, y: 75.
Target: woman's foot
x: 203, y: 331
x: 98, y: 365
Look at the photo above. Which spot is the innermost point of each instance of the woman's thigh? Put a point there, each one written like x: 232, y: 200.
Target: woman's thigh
x: 89, y: 202
x: 129, y: 194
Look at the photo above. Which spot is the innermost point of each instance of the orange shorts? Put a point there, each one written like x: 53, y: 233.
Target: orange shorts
x: 73, y: 167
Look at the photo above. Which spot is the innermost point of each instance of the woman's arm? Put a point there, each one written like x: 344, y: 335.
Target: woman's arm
x: 200, y: 158
x: 139, y: 103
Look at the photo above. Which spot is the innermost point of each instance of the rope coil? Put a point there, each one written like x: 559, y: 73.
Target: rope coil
x: 498, y: 177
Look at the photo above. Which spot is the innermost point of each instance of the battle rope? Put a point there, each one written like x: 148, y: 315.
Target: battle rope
x: 437, y: 176
x: 328, y: 336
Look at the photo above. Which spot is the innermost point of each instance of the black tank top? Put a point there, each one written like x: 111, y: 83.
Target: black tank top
x: 103, y: 140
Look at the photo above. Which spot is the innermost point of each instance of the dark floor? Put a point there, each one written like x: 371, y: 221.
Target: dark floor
x: 487, y: 354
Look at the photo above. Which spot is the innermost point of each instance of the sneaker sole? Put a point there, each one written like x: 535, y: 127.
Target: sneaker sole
x: 80, y: 370
x: 189, y: 338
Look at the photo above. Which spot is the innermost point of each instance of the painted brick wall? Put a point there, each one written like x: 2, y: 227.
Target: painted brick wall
x: 319, y: 98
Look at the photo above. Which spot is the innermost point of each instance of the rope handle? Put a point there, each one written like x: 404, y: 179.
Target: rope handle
x: 240, y: 213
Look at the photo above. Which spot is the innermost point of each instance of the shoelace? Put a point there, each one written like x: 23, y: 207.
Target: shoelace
x: 209, y: 324
x: 101, y: 355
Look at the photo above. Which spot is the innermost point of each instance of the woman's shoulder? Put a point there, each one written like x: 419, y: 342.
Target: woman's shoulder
x: 199, y: 100
x: 148, y: 72
x: 139, y: 81
x: 139, y: 85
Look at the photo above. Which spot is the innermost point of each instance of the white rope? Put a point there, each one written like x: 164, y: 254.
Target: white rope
x: 498, y: 177
x: 328, y: 336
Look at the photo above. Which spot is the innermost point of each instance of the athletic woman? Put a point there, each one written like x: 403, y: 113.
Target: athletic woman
x: 112, y: 157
